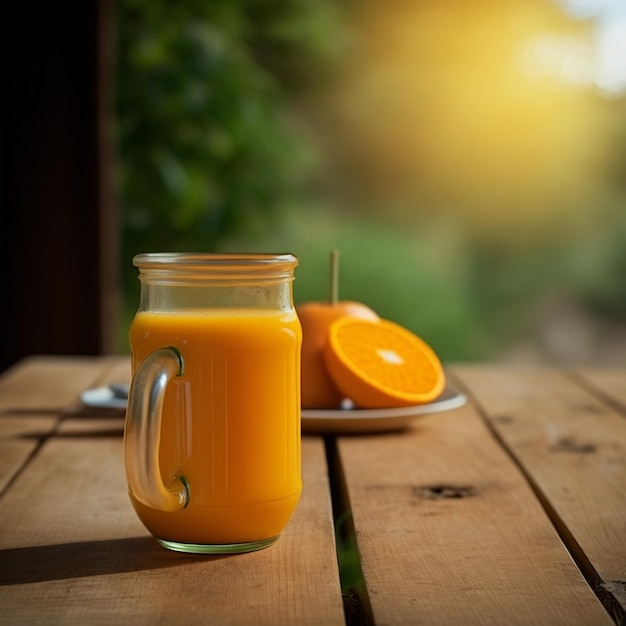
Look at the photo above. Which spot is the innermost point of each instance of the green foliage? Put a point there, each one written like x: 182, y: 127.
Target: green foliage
x: 212, y: 158
x: 470, y: 298
x: 205, y: 146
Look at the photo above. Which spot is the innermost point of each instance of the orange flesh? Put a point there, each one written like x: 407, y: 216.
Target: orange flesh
x: 381, y: 364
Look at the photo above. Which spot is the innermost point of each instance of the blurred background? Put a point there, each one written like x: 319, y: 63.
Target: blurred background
x: 467, y: 159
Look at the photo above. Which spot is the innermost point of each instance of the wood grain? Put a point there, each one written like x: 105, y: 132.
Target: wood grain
x: 47, y: 384
x: 572, y: 446
x: 32, y: 397
x: 485, y: 514
x: 610, y: 383
x: 72, y: 551
x: 20, y: 436
x: 450, y: 533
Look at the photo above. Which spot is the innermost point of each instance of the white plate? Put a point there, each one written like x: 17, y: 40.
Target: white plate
x: 102, y: 398
x: 376, y: 420
x: 324, y: 420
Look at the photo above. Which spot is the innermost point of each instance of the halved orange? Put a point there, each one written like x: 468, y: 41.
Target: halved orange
x: 380, y: 364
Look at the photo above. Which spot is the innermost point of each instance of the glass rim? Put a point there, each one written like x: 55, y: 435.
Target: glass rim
x: 213, y: 260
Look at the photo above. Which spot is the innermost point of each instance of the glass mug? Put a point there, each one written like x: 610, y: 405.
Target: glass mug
x: 212, y: 432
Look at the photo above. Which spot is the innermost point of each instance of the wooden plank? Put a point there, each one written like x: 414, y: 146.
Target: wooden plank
x: 32, y: 396
x: 110, y: 425
x: 73, y: 551
x: 114, y: 368
x: 450, y: 533
x: 19, y: 438
x: 572, y: 446
x: 47, y: 384
x: 610, y: 382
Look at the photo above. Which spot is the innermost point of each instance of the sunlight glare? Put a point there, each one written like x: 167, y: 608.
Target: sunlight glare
x: 483, y: 107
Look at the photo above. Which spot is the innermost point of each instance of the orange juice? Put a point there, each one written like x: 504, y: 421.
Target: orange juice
x: 231, y: 422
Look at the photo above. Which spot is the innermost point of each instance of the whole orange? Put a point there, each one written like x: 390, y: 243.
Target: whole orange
x: 318, y: 389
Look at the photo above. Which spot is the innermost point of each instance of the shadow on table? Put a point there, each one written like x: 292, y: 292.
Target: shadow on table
x: 89, y: 558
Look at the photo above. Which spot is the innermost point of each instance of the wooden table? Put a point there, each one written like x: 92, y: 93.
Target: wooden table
x: 509, y: 510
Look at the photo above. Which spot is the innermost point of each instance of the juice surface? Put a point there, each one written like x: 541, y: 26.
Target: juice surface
x: 231, y: 422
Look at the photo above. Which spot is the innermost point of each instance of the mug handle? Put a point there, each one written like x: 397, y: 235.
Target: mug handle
x: 142, y: 433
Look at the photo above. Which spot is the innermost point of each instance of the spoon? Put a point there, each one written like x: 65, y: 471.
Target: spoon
x: 119, y: 390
